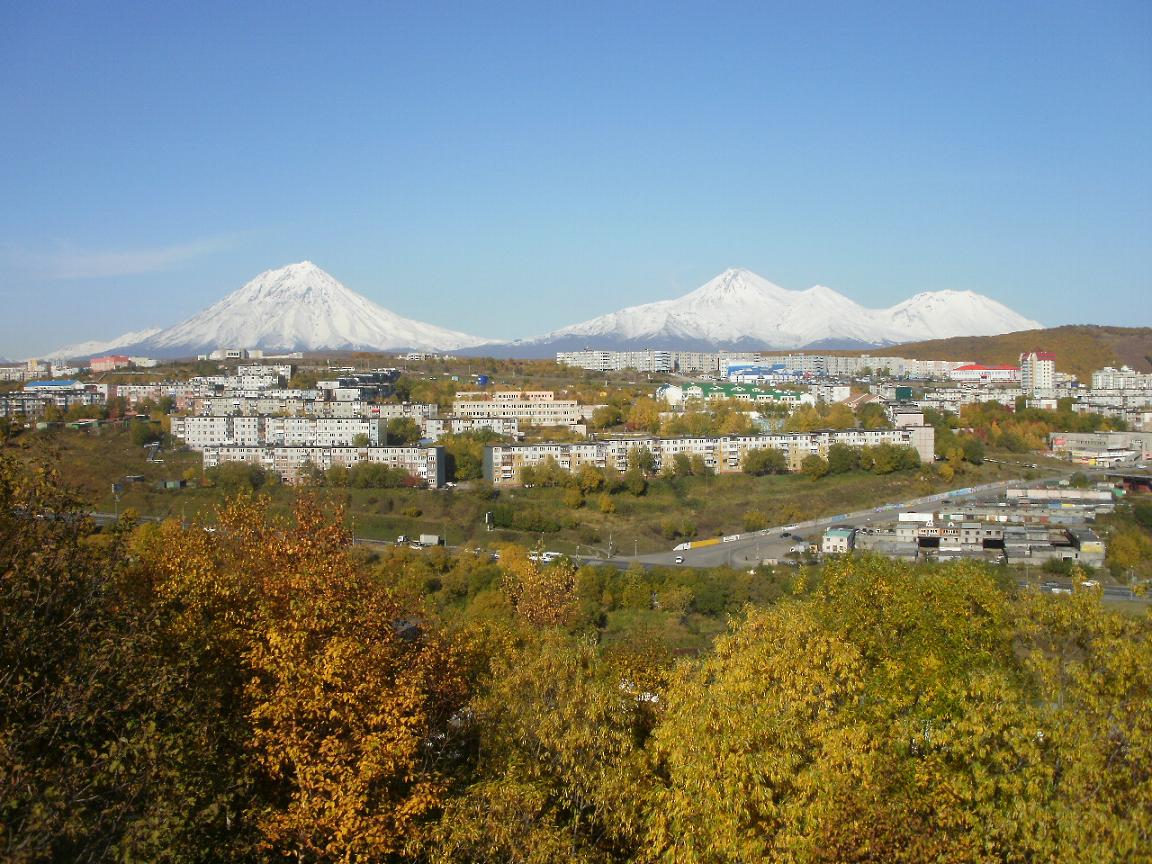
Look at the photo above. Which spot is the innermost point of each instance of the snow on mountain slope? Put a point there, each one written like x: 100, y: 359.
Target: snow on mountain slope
x: 941, y: 314
x: 302, y: 308
x: 739, y: 307
x: 93, y: 348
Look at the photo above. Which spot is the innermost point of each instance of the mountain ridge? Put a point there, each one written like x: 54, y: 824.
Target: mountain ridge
x: 300, y: 307
x: 742, y: 307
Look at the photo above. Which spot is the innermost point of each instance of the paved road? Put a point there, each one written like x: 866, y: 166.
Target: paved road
x: 741, y: 550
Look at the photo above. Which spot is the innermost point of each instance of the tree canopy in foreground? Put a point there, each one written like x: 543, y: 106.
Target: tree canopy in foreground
x: 261, y: 692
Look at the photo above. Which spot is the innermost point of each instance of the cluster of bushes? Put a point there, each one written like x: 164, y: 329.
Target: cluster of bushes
x: 880, y: 459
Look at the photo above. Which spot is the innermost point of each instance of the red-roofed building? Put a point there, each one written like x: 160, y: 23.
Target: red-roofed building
x: 109, y: 363
x: 975, y: 372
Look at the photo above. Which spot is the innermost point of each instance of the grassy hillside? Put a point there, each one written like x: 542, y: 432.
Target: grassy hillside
x: 1080, y: 349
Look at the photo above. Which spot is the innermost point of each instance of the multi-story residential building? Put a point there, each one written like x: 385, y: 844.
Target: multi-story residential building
x: 433, y: 428
x: 425, y: 464
x: 538, y: 408
x: 1037, y: 371
x: 713, y: 363
x: 202, y: 432
x: 504, y: 462
x: 282, y: 371
x: 611, y: 361
x: 133, y: 394
x: 110, y: 363
x: 38, y: 395
x: 830, y: 392
x: 1124, y: 378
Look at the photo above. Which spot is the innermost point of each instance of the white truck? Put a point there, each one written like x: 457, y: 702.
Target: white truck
x: 431, y: 540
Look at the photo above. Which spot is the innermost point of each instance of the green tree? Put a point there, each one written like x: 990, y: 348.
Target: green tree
x: 403, y: 432
x: 765, y: 460
x: 871, y: 415
x: 606, y: 416
x: 973, y: 449
x: 235, y: 477
x: 842, y: 458
x: 643, y: 460
x: 814, y: 467
x: 634, y: 482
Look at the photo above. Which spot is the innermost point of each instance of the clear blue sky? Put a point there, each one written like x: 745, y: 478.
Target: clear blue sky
x: 506, y: 169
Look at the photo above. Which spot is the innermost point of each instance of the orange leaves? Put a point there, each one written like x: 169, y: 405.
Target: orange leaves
x: 348, y: 698
x: 544, y: 596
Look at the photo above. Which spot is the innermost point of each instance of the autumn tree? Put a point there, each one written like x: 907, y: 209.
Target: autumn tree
x: 348, y: 697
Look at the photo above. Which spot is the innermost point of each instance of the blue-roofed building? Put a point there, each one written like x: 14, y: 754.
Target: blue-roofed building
x: 52, y: 386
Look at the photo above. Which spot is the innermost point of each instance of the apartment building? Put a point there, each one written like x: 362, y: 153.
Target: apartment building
x: 425, y: 464
x: 534, y: 408
x: 202, y: 432
x: 433, y: 428
x: 612, y: 361
x: 1037, y: 371
x: 1124, y: 378
x: 504, y: 462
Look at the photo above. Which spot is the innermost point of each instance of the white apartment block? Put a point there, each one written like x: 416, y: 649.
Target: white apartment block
x: 1037, y: 371
x: 203, y: 432
x: 282, y: 371
x: 713, y: 363
x: 413, y: 410
x: 830, y: 392
x: 612, y: 361
x: 504, y: 462
x: 434, y: 428
x: 426, y: 464
x: 1123, y: 378
x: 535, y: 408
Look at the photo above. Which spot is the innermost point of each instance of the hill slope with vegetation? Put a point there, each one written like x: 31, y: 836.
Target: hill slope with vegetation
x: 1080, y: 349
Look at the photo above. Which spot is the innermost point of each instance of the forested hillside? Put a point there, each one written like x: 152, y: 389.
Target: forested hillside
x: 1080, y: 349
x: 264, y: 691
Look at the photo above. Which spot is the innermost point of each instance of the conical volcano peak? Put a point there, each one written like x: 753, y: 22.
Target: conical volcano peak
x: 303, y: 307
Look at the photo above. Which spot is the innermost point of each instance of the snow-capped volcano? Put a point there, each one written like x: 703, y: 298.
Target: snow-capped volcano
x: 93, y: 346
x: 298, y: 308
x: 741, y: 309
x: 942, y: 314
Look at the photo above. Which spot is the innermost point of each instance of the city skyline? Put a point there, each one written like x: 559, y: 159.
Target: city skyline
x: 573, y: 162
